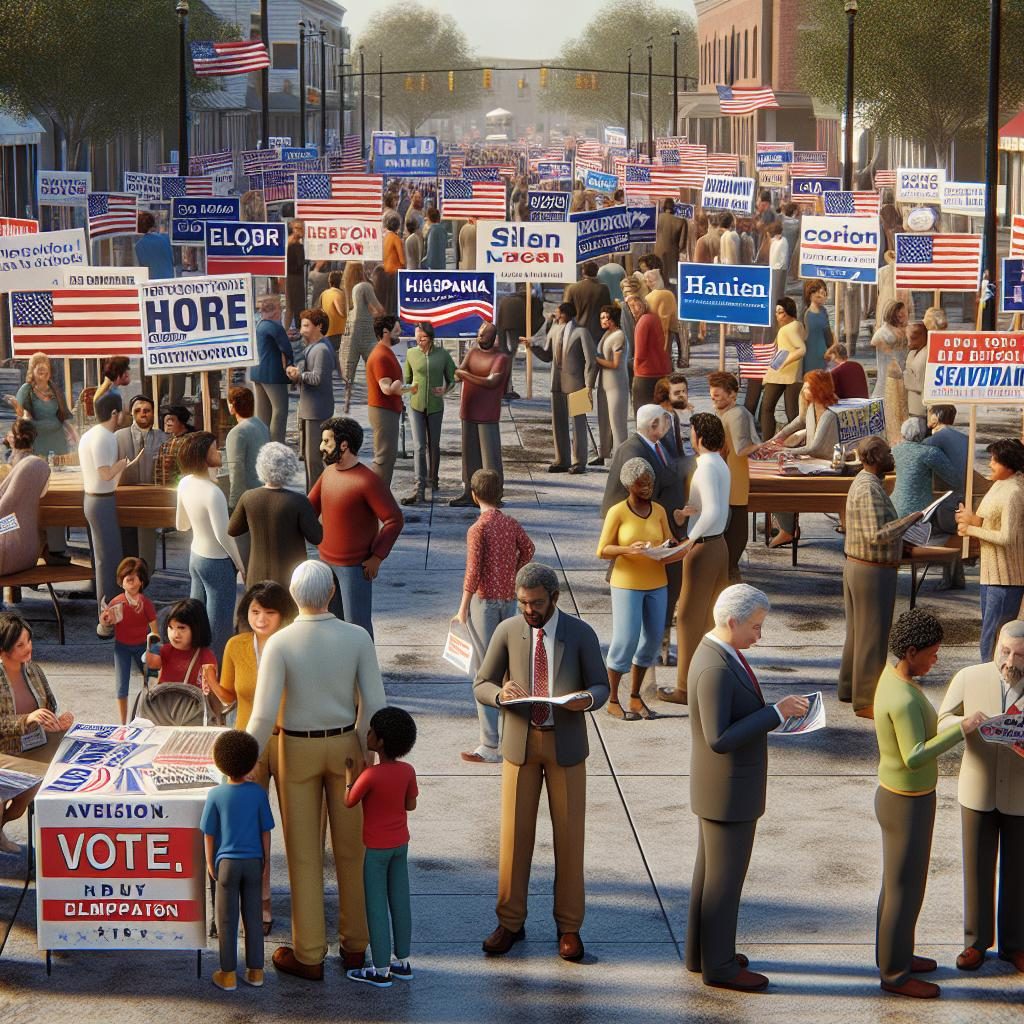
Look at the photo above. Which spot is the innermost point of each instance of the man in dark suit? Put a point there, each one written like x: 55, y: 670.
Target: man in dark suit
x: 670, y: 240
x: 546, y: 653
x: 588, y: 295
x: 512, y: 325
x: 729, y: 722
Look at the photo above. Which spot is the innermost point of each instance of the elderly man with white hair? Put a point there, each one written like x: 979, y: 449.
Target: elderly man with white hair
x: 991, y: 795
x: 322, y: 675
x: 729, y: 723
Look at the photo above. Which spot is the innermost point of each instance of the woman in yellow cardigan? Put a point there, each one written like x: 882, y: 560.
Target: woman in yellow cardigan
x: 783, y: 381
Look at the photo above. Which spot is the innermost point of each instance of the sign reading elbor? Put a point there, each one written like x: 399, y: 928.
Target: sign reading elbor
x: 725, y: 294
x: 237, y: 247
x: 410, y: 156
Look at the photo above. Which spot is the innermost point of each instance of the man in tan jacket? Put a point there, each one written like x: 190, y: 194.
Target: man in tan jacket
x: 991, y: 795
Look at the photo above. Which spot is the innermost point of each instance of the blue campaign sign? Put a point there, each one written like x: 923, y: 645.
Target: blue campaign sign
x: 456, y: 302
x: 683, y: 210
x: 405, y: 156
x: 189, y: 216
x: 243, y: 247
x: 555, y: 170
x: 814, y: 186
x: 643, y: 220
x: 725, y: 294
x: 444, y: 166
x: 601, y: 232
x: 598, y: 181
x: 773, y: 159
x: 548, y: 206
x: 296, y: 154
x: 1011, y: 295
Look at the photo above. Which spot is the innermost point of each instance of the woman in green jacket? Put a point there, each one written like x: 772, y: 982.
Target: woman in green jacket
x: 908, y: 746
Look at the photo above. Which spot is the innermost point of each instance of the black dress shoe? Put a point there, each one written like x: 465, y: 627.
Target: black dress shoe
x: 462, y: 501
x: 597, y: 461
x: 501, y: 940
x: 578, y: 469
x: 556, y: 468
x: 511, y: 396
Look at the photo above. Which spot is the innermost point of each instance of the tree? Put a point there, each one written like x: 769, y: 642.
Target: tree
x: 413, y: 38
x: 919, y: 72
x: 99, y: 68
x: 603, y: 44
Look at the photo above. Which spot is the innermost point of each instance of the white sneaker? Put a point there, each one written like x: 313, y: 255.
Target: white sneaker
x: 482, y: 755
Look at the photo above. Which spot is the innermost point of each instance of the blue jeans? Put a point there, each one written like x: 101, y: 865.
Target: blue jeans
x: 213, y: 583
x: 484, y: 617
x: 124, y: 655
x: 999, y: 605
x: 356, y: 593
x: 386, y: 886
x: 638, y: 624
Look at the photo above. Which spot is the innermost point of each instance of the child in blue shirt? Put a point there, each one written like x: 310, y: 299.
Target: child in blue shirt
x: 236, y: 823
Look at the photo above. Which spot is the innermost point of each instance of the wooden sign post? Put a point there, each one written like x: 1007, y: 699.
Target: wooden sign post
x: 529, y: 334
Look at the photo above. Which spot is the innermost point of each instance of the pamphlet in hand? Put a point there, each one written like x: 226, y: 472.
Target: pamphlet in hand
x: 780, y: 357
x: 660, y: 551
x: 1008, y: 729
x: 918, y: 534
x: 811, y: 722
x: 458, y: 651
x: 566, y: 698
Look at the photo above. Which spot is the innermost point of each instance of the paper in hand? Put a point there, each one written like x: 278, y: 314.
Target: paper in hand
x: 556, y: 701
x: 811, y: 722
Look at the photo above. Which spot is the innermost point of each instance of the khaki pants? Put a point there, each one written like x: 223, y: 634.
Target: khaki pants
x: 567, y: 802
x: 311, y: 769
x: 268, y: 767
x: 705, y: 576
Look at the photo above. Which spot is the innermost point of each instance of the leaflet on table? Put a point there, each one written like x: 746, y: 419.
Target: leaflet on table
x: 566, y: 698
x: 811, y: 722
x: 800, y: 465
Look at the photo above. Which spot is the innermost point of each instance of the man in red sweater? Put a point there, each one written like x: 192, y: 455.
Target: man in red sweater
x: 360, y: 516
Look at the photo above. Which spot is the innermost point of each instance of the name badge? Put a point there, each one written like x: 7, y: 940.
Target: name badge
x: 32, y: 739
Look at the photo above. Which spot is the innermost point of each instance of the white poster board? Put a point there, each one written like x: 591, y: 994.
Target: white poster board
x: 39, y: 260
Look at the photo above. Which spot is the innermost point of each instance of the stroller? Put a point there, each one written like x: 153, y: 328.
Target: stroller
x: 180, y: 704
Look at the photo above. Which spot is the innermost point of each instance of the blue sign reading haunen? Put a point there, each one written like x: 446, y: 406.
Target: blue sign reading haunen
x: 724, y: 294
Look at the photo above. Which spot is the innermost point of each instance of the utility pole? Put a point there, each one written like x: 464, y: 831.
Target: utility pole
x: 992, y: 164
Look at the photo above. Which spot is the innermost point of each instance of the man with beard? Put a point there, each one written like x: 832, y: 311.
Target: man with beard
x: 484, y: 373
x: 143, y: 437
x: 991, y: 795
x: 316, y: 388
x: 360, y: 516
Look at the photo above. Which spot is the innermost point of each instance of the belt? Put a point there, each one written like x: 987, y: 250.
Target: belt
x: 318, y: 734
x: 105, y: 494
x: 704, y: 540
x: 542, y: 728
x: 873, y: 565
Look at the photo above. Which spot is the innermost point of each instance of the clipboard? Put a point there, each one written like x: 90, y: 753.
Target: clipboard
x: 580, y: 402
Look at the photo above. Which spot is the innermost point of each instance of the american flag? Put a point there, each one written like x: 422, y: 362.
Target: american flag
x: 590, y: 149
x: 237, y: 58
x: 256, y: 160
x: 809, y: 163
x: 112, y: 214
x: 669, y: 157
x: 724, y: 163
x: 349, y: 158
x: 755, y: 358
x: 461, y: 199
x: 938, y: 262
x: 1017, y: 235
x: 885, y: 179
x: 851, y: 204
x: 641, y: 180
x: 742, y: 99
x: 174, y: 187
x: 77, y: 322
x: 485, y: 172
x: 587, y: 163
x: 205, y: 163
x: 447, y: 312
x: 694, y: 160
x: 276, y: 185
x: 329, y: 196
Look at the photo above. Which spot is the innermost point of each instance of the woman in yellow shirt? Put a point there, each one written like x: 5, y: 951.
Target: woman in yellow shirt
x: 632, y: 530
x: 784, y: 381
x: 333, y: 303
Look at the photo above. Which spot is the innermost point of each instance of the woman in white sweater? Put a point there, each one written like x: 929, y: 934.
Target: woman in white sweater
x: 214, y: 559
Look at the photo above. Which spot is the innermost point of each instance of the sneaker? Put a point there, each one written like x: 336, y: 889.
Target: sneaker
x: 225, y: 980
x: 369, y: 976
x: 253, y: 976
x: 401, y: 970
x: 482, y: 755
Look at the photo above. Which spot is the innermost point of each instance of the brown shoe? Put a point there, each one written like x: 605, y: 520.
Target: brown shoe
x: 922, y: 965
x: 285, y: 961
x: 741, y: 959
x: 501, y: 940
x: 970, y: 959
x: 743, y: 981
x: 1016, y: 958
x: 671, y: 694
x: 865, y: 712
x: 915, y: 988
x: 570, y: 946
x: 352, y: 961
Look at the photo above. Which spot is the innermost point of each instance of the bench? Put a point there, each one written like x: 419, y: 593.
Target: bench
x: 921, y: 559
x: 47, y: 575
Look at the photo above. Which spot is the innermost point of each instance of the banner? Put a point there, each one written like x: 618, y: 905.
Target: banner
x: 198, y: 323
x: 724, y: 294
x: 771, y: 156
x: 18, y: 226
x: 839, y: 248
x: 617, y: 137
x: 63, y: 188
x: 771, y: 179
x: 725, y: 192
x: 914, y: 185
x: 38, y: 260
x: 234, y: 247
x: 455, y: 302
x: 966, y: 197
x: 684, y: 210
x: 1011, y: 294
x: 548, y: 207
x: 344, y: 239
x: 979, y: 367
x: 601, y: 232
x: 104, y: 277
x: 486, y: 172
x: 643, y: 220
x: 598, y: 181
x: 405, y: 156
x: 146, y: 186
x: 188, y: 217
x: 814, y: 186
x: 520, y: 252
x: 298, y: 154
x: 555, y: 170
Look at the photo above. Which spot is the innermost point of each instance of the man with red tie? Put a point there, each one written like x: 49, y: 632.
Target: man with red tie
x: 545, y: 654
x: 729, y: 722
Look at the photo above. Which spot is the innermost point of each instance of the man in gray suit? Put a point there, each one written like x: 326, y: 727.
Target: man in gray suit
x: 316, y: 389
x: 569, y: 348
x: 588, y: 295
x: 729, y: 722
x: 143, y: 437
x: 546, y: 653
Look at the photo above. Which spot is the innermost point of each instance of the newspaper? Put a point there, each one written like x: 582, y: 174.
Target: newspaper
x: 556, y: 701
x: 918, y: 534
x: 661, y: 551
x: 811, y: 722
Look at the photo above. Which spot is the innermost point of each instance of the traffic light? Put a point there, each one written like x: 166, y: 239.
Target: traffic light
x: 487, y: 78
x: 579, y: 81
x: 593, y: 81
x: 451, y: 81
x: 543, y: 78
x: 424, y: 84
x: 409, y: 85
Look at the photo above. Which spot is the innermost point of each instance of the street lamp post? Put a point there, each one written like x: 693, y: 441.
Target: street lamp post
x: 362, y: 100
x: 302, y: 83
x: 629, y: 99
x: 380, y: 91
x: 182, y: 11
x: 342, y: 81
x: 265, y: 79
x: 675, y: 82
x: 992, y: 164
x: 650, y: 98
x: 850, y: 7
x: 323, y: 89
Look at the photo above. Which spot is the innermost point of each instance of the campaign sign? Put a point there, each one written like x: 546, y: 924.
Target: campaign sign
x: 18, y: 226
x: 297, y: 154
x: 771, y: 179
x: 344, y: 239
x: 104, y: 277
x: 980, y: 367
x: 724, y: 294
x: 773, y: 156
x: 1011, y: 294
x: 63, y: 188
x: 814, y: 186
x: 917, y: 185
x: 455, y: 302
x: 683, y: 210
x: 601, y: 232
x: 548, y: 206
x: 963, y: 197
x: 234, y: 247
x: 643, y: 219
x: 524, y: 252
x: 725, y: 192
x: 39, y: 260
x: 859, y: 418
x: 198, y: 323
x: 839, y: 248
x: 598, y: 181
x: 616, y: 137
x: 188, y: 217
x: 146, y: 186
x: 485, y: 173
x: 280, y: 141
x: 405, y: 156
x: 555, y: 170
x: 444, y: 167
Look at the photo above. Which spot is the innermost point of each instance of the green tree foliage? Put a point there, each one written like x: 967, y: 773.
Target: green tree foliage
x: 614, y: 29
x: 412, y: 38
x: 920, y: 70
x: 98, y: 68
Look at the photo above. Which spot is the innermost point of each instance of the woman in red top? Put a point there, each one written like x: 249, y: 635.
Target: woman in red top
x: 650, y: 353
x: 187, y: 650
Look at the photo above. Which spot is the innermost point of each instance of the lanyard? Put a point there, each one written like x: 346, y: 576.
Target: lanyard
x: 256, y: 649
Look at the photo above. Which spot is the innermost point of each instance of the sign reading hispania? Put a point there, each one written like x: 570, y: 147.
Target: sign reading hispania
x: 725, y: 294
x: 455, y: 302
x: 522, y: 252
x: 198, y: 323
x: 344, y: 239
x: 839, y: 248
x: 981, y: 367
x: 601, y: 232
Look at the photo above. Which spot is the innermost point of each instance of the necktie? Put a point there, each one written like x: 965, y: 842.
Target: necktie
x: 539, y: 712
x: 661, y: 453
x: 750, y: 672
x: 679, y: 436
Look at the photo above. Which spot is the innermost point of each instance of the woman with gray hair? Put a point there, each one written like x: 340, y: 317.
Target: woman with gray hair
x: 279, y: 521
x: 634, y: 535
x: 915, y: 464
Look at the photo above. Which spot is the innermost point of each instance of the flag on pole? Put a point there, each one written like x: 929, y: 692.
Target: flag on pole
x: 329, y: 196
x: 736, y: 100
x: 693, y: 159
x: 238, y: 58
x: 885, y: 179
x: 1017, y: 235
x: 938, y: 262
x: 652, y: 180
x: 461, y: 199
x: 755, y: 358
x: 174, y: 187
x: 77, y: 322
x: 851, y: 204
x: 112, y: 214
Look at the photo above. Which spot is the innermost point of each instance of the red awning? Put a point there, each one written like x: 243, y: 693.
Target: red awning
x: 1014, y: 128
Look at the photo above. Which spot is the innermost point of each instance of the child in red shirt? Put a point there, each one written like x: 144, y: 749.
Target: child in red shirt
x: 388, y: 792
x: 133, y: 617
x: 187, y: 650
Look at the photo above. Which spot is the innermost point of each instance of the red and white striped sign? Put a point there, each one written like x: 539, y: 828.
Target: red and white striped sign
x: 693, y: 160
x: 724, y: 163
x: 18, y: 226
x: 77, y: 322
x: 885, y: 179
x: 1017, y: 235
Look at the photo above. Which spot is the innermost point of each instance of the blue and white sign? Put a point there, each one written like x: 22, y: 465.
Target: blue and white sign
x: 198, y: 323
x: 643, y: 219
x: 839, y: 248
x: 63, y: 188
x: 601, y: 232
x: 525, y: 252
x: 722, y: 294
x: 276, y: 142
x: 405, y: 156
x: 444, y: 166
x: 598, y: 181
x: 725, y: 192
x: 1011, y: 294
x: 773, y: 156
x: 555, y: 170
x: 967, y: 197
x: 148, y: 187
x: 297, y: 154
x: 245, y: 247
x: 548, y: 207
x: 683, y: 210
x: 814, y: 186
x: 919, y: 185
x: 455, y: 302
x: 188, y: 217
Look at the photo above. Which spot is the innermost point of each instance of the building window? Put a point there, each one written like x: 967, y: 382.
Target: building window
x: 285, y: 56
x: 746, y: 53
x: 753, y: 56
